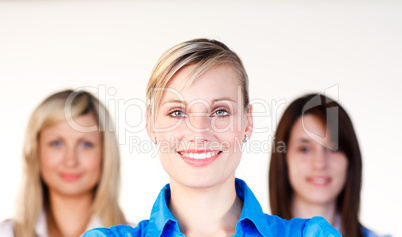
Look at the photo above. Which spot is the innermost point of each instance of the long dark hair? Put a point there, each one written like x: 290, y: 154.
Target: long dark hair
x: 280, y: 190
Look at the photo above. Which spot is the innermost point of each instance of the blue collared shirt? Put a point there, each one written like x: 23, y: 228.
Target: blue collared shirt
x: 252, y: 221
x: 369, y: 233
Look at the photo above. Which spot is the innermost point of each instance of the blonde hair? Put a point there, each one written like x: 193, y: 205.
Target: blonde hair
x: 204, y: 54
x: 33, y: 195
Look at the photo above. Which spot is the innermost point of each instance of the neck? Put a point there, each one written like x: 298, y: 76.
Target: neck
x: 212, y: 211
x: 68, y: 215
x: 304, y: 209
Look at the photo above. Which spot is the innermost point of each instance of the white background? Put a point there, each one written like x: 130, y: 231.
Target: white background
x: 288, y: 48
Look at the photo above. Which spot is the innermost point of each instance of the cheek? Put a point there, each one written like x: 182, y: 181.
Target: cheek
x: 230, y: 131
x: 234, y: 140
x: 48, y: 166
x: 297, y: 168
x: 167, y: 123
x: 223, y: 124
x: 340, y: 165
x: 92, y: 163
x: 49, y: 160
x: 170, y: 132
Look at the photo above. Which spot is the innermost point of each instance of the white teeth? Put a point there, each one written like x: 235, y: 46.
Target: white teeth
x: 204, y: 155
x: 319, y: 180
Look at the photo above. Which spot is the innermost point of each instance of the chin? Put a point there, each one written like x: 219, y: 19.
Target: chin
x: 73, y: 191
x: 322, y: 200
x: 198, y: 182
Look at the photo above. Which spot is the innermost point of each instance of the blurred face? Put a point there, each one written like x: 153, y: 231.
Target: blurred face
x: 200, y: 129
x: 70, y: 161
x: 317, y: 174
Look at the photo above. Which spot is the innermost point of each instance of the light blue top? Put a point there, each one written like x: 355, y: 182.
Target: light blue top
x: 252, y: 221
x: 369, y: 233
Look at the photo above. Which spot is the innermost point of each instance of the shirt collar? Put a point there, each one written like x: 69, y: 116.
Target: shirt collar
x: 252, y: 211
x: 41, y: 225
x: 161, y: 217
x: 94, y: 222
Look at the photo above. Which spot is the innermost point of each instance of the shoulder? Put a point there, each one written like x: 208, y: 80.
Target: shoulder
x: 119, y: 230
x: 316, y: 226
x: 370, y: 233
x: 7, y: 228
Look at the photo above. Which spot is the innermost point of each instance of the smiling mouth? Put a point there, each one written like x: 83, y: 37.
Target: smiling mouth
x: 319, y: 181
x: 199, y: 154
x: 70, y: 177
x: 199, y: 157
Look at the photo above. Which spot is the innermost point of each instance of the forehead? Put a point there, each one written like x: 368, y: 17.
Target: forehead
x: 220, y: 81
x: 309, y: 127
x: 65, y: 128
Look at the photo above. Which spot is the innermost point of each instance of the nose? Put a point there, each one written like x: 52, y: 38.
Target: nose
x: 199, y: 128
x: 71, y: 157
x: 320, y: 160
x: 198, y: 123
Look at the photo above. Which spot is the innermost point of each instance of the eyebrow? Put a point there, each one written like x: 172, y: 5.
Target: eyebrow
x: 303, y: 140
x: 175, y: 102
x: 214, y: 101
x: 223, y: 99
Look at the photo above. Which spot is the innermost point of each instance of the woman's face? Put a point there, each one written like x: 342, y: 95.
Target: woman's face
x: 200, y: 129
x: 70, y: 160
x: 317, y: 174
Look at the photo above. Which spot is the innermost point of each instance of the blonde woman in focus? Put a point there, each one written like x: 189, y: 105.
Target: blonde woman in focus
x: 71, y: 167
x: 199, y: 116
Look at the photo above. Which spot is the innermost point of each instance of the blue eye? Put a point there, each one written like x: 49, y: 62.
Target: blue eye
x: 177, y: 114
x: 87, y: 144
x: 221, y: 113
x: 56, y: 143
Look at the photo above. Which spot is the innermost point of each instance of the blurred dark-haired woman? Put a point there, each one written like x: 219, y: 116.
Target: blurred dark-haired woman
x: 320, y: 171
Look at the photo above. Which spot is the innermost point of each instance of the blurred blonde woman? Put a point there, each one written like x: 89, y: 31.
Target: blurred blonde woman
x: 71, y: 167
